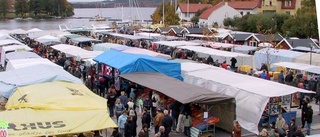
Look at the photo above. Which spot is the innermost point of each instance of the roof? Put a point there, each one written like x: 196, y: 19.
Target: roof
x: 164, y: 29
x: 177, y: 30
x: 273, y: 37
x: 241, y: 37
x: 178, y: 90
x: 193, y: 7
x: 207, y: 13
x: 248, y: 5
x: 196, y: 30
x: 300, y: 42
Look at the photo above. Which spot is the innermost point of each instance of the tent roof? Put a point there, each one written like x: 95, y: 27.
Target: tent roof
x: 83, y: 39
x: 76, y: 51
x: 10, y: 42
x: 130, y: 36
x: 178, y: 90
x: 21, y: 55
x: 47, y: 39
x: 18, y: 31
x: 298, y: 66
x: 128, y: 63
x: 305, y: 59
x: 211, y: 51
x: 16, y: 48
x: 176, y: 43
x: 22, y: 63
x: 244, y: 49
x: 106, y: 46
x: 32, y: 75
x: 146, y: 52
x: 33, y: 30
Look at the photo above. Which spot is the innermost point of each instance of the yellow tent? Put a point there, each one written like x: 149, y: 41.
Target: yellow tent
x: 56, y: 95
x: 55, y: 108
x: 27, y: 122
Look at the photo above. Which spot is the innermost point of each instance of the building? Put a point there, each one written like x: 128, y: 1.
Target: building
x: 238, y: 38
x: 163, y: 30
x: 175, y: 32
x: 279, y: 6
x: 245, y: 7
x: 216, y: 14
x: 255, y: 39
x: 298, y: 44
x: 183, y: 10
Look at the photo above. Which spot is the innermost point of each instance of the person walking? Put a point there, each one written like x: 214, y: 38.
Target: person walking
x: 167, y: 122
x: 111, y: 102
x: 121, y: 122
x: 157, y: 120
x: 128, y: 127
x: 134, y: 119
x: 292, y: 127
x: 146, y: 118
x: 119, y: 108
x: 308, y: 118
x: 144, y: 132
x: 187, y: 122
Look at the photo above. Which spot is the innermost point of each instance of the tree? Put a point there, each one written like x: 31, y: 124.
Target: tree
x: 35, y: 6
x: 170, y: 16
x: 304, y: 23
x: 21, y: 7
x: 4, y: 6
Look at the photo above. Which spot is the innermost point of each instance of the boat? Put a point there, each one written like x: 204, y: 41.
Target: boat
x: 98, y: 18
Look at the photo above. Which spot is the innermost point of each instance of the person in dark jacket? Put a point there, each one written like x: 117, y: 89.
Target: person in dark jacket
x: 111, y: 102
x: 174, y: 108
x: 115, y: 133
x: 288, y: 78
x: 128, y: 128
x: 304, y: 109
x: 281, y: 77
x: 147, y: 103
x: 308, y: 118
x: 146, y: 117
x: 167, y: 122
x: 209, y: 60
x: 292, y: 128
x: 298, y: 133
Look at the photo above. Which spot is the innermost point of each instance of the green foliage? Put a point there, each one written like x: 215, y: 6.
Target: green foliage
x: 170, y: 16
x: 304, y: 23
x: 4, y: 5
x: 21, y: 7
x: 195, y: 19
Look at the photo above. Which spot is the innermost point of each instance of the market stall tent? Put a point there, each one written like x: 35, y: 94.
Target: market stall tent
x: 305, y: 59
x: 251, y: 94
x: 298, y: 66
x: 65, y: 108
x: 129, y: 63
x: 244, y: 49
x: 106, y: 46
x: 22, y: 63
x: 74, y: 51
x: 271, y: 55
x: 176, y: 43
x: 21, y: 55
x: 146, y: 52
x: 242, y: 59
x: 48, y: 40
x: 32, y: 75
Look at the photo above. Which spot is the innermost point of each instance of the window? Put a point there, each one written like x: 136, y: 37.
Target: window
x: 248, y: 13
x: 288, y: 12
x: 287, y: 3
x: 241, y: 13
x: 263, y: 2
x: 253, y: 43
x: 270, y: 3
x: 186, y: 14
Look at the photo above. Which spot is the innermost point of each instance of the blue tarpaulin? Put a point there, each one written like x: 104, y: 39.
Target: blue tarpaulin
x: 129, y: 63
x: 10, y: 80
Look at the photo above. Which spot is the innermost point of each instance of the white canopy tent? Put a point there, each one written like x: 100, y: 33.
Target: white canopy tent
x: 244, y: 49
x: 54, y: 33
x: 22, y: 63
x: 105, y: 46
x: 146, y: 52
x: 219, y: 45
x: 242, y: 59
x: 77, y: 52
x: 48, y: 40
x: 83, y: 39
x: 298, y: 66
x: 131, y: 37
x: 21, y: 55
x: 33, y: 30
x: 18, y: 31
x: 305, y: 59
x: 187, y: 67
x: 176, y: 43
x: 265, y: 44
x: 10, y: 42
x: 148, y: 35
x: 251, y: 94
x: 270, y: 55
x: 5, y: 36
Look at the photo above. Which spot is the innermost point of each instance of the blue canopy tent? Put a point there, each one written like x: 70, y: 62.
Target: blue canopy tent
x: 10, y: 80
x: 129, y: 63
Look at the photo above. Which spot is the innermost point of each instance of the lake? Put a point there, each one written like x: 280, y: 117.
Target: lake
x: 124, y: 13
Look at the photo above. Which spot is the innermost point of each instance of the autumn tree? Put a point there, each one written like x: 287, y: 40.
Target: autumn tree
x: 304, y: 23
x: 4, y: 6
x: 170, y: 16
x: 195, y: 18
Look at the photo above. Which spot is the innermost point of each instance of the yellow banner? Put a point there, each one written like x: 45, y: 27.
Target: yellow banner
x: 28, y: 122
x: 56, y: 96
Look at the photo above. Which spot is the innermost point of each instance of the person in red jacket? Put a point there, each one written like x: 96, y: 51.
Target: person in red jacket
x: 224, y: 65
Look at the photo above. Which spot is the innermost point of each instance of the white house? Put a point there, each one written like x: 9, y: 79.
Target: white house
x: 191, y: 8
x: 217, y: 13
x: 245, y: 7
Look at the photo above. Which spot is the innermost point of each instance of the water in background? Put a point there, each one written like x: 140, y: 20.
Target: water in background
x: 124, y: 13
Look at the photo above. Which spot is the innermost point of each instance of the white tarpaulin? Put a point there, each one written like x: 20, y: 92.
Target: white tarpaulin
x: 187, y: 67
x: 33, y: 30
x: 146, y: 52
x: 22, y: 63
x: 244, y: 49
x: 242, y: 59
x: 251, y: 94
x: 274, y: 56
x: 77, y: 52
x: 10, y: 42
x: 176, y: 43
x: 305, y: 59
x: 48, y: 39
x: 18, y: 31
x: 105, y: 46
x: 298, y: 66
x: 21, y: 55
